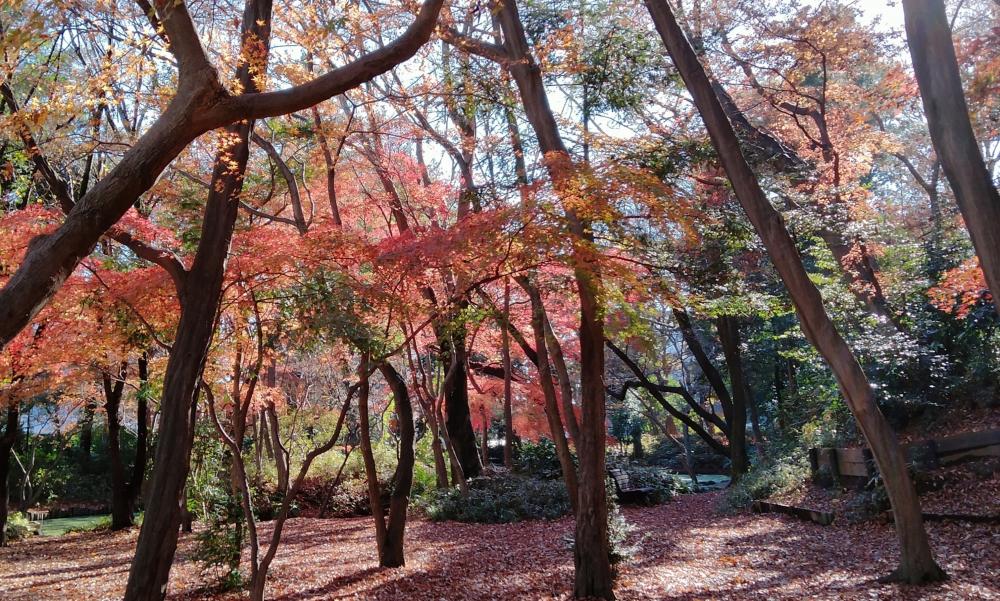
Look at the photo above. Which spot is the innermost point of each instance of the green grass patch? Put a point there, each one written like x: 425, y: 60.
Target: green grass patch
x: 60, y: 526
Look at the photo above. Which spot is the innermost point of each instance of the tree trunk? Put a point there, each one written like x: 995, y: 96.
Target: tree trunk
x: 712, y: 374
x: 562, y: 376
x: 142, y: 435
x: 916, y: 561
x: 391, y: 555
x: 458, y: 420
x: 368, y: 456
x: 199, y: 304
x: 591, y: 549
x: 729, y: 336
x: 556, y: 429
x: 121, y: 507
x: 484, y: 446
x: 280, y: 454
x: 928, y: 35
x: 440, y: 463
x: 508, y: 411
x: 87, y: 434
x: 637, y: 451
x: 6, y: 447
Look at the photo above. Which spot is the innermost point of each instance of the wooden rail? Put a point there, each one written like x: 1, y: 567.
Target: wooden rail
x: 823, y: 518
x: 855, y: 465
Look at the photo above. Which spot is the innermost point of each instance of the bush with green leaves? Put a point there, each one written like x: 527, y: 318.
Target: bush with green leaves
x: 620, y: 548
x: 18, y: 526
x: 219, y: 545
x: 498, y: 499
x: 775, y: 475
x: 664, y: 484
x: 539, y: 460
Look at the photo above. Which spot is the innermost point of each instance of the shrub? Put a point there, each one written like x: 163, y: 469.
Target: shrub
x: 218, y: 546
x: 18, y: 526
x: 775, y: 476
x: 665, y: 484
x: 499, y: 499
x: 539, y: 460
x: 620, y: 530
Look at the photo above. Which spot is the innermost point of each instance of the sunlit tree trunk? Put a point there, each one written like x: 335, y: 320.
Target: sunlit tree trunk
x: 199, y: 304
x: 928, y: 35
x: 591, y: 549
x: 916, y: 561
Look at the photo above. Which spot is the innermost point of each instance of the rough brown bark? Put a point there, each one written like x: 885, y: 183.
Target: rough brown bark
x: 928, y: 35
x: 916, y: 561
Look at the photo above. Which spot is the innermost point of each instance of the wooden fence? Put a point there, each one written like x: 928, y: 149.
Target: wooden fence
x: 856, y: 465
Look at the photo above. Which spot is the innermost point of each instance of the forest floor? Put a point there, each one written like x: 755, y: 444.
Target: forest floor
x: 688, y: 551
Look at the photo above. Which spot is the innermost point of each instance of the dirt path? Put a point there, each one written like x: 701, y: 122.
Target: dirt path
x: 688, y: 552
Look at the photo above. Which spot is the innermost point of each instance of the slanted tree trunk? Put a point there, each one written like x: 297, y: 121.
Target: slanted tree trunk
x: 562, y: 376
x: 556, y: 428
x: 7, y: 442
x: 121, y: 507
x: 916, y: 561
x: 711, y: 373
x: 199, y: 304
x: 279, y: 451
x: 928, y: 35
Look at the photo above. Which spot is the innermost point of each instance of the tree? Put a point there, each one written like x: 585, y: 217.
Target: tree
x: 929, y: 39
x: 916, y: 562
x: 200, y: 105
